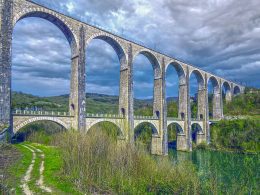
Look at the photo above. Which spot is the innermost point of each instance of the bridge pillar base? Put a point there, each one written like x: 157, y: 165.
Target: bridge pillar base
x: 201, y: 138
x: 157, y: 145
x: 182, y: 143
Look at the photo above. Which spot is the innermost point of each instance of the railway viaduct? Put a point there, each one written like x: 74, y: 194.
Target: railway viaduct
x: 79, y: 35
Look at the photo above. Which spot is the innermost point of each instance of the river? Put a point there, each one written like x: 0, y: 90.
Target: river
x: 231, y: 173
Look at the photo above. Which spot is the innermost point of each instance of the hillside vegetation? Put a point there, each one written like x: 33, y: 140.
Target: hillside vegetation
x: 237, y: 135
x: 95, y: 103
x: 244, y: 104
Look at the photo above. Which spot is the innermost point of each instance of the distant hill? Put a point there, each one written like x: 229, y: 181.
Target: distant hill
x: 245, y: 104
x: 170, y: 99
x: 96, y: 103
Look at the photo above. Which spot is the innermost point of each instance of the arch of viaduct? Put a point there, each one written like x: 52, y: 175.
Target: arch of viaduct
x: 79, y: 35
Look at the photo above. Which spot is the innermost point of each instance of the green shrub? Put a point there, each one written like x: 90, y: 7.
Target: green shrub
x: 202, y: 146
x: 241, y: 135
x: 243, y: 104
x: 97, y: 164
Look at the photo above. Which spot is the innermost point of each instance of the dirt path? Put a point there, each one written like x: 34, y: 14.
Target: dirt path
x: 27, y: 177
x: 28, y: 173
x: 40, y: 181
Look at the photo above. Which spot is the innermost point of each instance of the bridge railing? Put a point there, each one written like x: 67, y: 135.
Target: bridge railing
x: 90, y: 115
x: 146, y: 118
x: 40, y: 113
x: 196, y: 119
x: 173, y: 119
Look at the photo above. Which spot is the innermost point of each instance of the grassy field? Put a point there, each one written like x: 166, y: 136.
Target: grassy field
x: 53, y: 175
x: 107, y: 172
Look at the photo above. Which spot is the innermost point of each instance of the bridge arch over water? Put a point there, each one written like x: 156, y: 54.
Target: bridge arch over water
x: 141, y: 132
x: 175, y: 129
x: 197, y: 133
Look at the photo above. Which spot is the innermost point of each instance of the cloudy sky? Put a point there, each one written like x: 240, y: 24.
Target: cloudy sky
x: 221, y: 36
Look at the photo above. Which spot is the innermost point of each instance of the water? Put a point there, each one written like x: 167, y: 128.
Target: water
x: 230, y: 173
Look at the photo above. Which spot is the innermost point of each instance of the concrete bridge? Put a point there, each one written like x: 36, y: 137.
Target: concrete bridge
x: 79, y: 35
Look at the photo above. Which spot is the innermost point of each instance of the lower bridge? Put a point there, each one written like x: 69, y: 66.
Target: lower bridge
x: 24, y: 118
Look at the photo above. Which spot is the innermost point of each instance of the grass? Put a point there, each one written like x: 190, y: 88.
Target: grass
x: 95, y: 164
x: 80, y: 163
x: 53, y: 174
x: 18, y: 170
x: 240, y: 135
x: 35, y: 174
x: 253, y: 117
x: 9, y: 155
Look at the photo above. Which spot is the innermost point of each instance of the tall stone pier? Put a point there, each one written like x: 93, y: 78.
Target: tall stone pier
x: 6, y: 28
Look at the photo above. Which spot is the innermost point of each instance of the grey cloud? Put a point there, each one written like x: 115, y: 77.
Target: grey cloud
x: 220, y: 36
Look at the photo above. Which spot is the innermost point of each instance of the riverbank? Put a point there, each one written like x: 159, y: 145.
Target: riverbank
x: 242, y: 135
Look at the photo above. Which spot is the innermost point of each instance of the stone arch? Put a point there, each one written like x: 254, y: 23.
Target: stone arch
x: 180, y: 71
x: 119, y: 130
x: 55, y: 19
x: 175, y: 137
x: 215, y: 83
x: 155, y: 131
x: 153, y: 60
x: 201, y: 98
x: 42, y: 118
x: 179, y: 127
x: 226, y: 86
x: 215, y: 110
x: 114, y: 43
x: 196, y: 129
x: 236, y: 90
x: 199, y: 77
x: 226, y: 91
x: 98, y: 121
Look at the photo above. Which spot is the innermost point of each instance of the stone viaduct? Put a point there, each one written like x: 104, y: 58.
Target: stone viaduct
x: 79, y: 35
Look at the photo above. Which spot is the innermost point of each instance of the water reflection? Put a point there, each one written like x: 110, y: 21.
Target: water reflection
x: 229, y: 172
